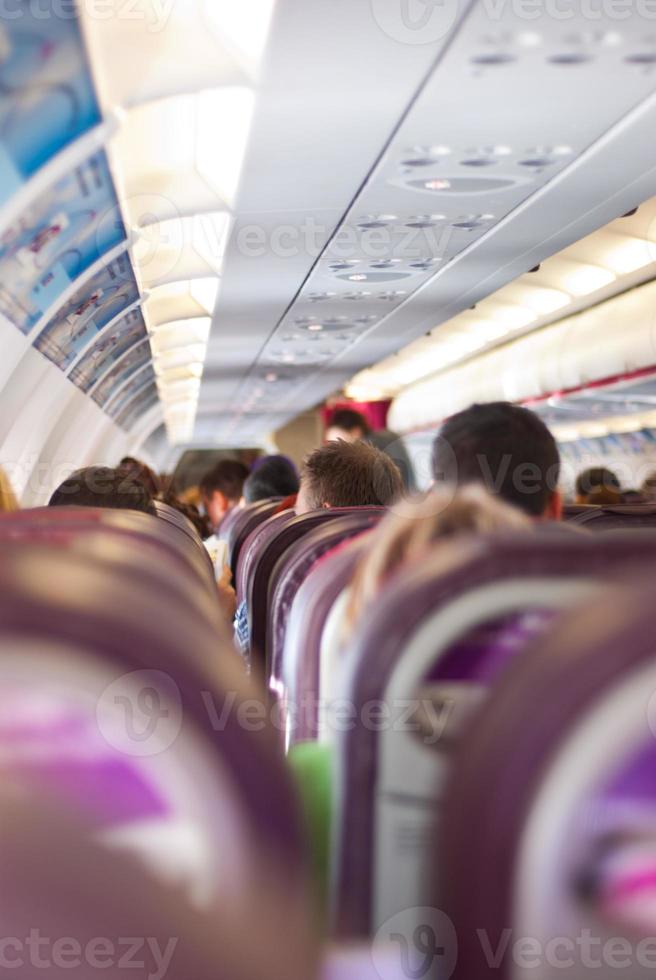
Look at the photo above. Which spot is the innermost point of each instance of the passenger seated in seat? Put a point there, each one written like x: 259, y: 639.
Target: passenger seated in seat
x: 414, y: 529
x: 343, y: 474
x: 222, y: 488
x: 102, y: 486
x: 339, y: 474
x: 351, y: 426
x: 271, y: 476
x: 598, y: 485
x: 506, y: 448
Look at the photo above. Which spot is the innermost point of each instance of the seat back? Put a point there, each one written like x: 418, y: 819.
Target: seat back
x: 388, y: 777
x: 557, y: 774
x: 172, y: 516
x: 70, y: 523
x: 302, y: 647
x: 256, y: 541
x: 119, y: 700
x: 276, y: 542
x: 291, y: 571
x: 266, y: 560
x: 245, y: 521
x: 621, y: 517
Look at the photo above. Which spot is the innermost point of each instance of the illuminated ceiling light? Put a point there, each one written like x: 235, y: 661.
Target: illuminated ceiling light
x: 513, y: 317
x: 437, y: 184
x: 315, y: 327
x: 358, y: 277
x: 581, y: 279
x: 243, y: 27
x: 271, y: 376
x: 543, y: 301
x: 224, y: 121
x: 180, y: 333
x: 179, y: 357
x: 205, y: 291
x: 627, y: 254
x: 491, y: 330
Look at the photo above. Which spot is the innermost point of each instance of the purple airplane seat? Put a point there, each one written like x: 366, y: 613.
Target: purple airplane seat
x: 307, y: 618
x: 137, y: 556
x: 620, y: 517
x: 258, y: 585
x: 548, y: 824
x: 179, y: 520
x: 246, y: 520
x: 291, y: 571
x: 389, y: 769
x: 254, y: 543
x: 226, y: 524
x: 76, y: 903
x: 67, y: 522
x: 124, y: 702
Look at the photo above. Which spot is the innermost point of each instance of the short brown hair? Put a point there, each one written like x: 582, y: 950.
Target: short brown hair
x: 345, y: 474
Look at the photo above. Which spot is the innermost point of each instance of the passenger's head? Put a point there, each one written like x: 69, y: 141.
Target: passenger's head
x: 506, y: 448
x: 140, y: 471
x: 598, y: 485
x: 348, y: 425
x: 272, y: 476
x: 8, y: 501
x: 343, y: 474
x: 222, y: 488
x: 416, y: 527
x: 101, y: 486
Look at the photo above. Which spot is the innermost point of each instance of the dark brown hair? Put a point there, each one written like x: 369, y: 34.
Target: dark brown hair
x: 356, y: 474
x: 228, y: 477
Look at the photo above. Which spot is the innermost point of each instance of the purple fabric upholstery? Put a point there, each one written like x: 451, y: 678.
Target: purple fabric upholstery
x: 307, y: 618
x: 589, y: 657
x: 258, y: 585
x: 61, y: 600
x: 414, y: 595
x: 292, y: 570
x: 254, y: 543
x: 60, y: 880
x: 622, y: 517
x: 179, y: 520
x: 483, y: 653
x: 67, y: 524
x: 246, y: 520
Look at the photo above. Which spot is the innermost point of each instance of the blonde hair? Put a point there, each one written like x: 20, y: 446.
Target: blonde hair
x: 8, y: 501
x: 413, y: 529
